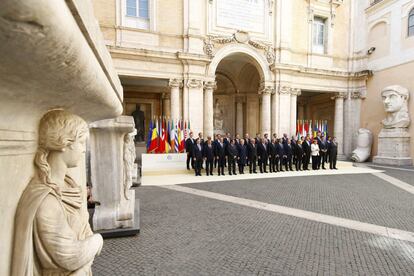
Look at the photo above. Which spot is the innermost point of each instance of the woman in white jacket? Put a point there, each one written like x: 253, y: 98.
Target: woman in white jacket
x: 315, y: 154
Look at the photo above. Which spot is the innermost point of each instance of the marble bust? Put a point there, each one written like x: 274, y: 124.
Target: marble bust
x: 395, y: 99
x: 52, y: 232
x: 364, y: 144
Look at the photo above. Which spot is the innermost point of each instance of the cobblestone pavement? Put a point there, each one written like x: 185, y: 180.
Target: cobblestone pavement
x: 403, y: 175
x: 362, y: 197
x: 183, y: 234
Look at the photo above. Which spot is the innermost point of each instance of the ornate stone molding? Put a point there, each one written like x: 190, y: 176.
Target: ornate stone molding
x: 194, y: 83
x: 175, y: 83
x: 210, y: 85
x: 239, y: 37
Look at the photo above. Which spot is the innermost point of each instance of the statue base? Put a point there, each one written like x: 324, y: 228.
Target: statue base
x: 393, y: 147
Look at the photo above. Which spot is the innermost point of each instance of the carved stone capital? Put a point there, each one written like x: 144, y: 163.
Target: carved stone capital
x: 266, y: 90
x: 175, y: 83
x: 284, y: 90
x: 357, y: 95
x: 339, y: 95
x: 194, y: 83
x: 210, y: 85
x: 295, y: 91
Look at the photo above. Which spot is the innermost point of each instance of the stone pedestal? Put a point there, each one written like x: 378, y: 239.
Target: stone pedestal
x: 112, y: 162
x: 393, y: 147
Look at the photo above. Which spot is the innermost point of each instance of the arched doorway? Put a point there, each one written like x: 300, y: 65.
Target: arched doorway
x: 236, y: 99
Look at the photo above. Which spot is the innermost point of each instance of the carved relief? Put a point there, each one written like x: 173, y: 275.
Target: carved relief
x: 129, y: 160
x: 51, y: 222
x: 239, y: 37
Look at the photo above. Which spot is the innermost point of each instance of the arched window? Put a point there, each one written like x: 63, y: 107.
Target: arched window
x: 411, y: 23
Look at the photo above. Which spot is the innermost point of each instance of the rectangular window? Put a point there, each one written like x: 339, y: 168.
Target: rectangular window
x: 131, y: 7
x: 143, y: 8
x: 319, y: 35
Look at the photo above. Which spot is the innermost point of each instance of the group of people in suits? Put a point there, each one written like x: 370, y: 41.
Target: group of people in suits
x: 269, y: 154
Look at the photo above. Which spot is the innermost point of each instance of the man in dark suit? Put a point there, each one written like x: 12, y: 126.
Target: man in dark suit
x: 262, y: 155
x: 242, y: 156
x: 288, y: 154
x: 279, y: 155
x: 323, y: 152
x: 333, y: 152
x: 215, y: 142
x: 209, y: 154
x: 232, y: 156
x: 252, y: 155
x: 307, y: 153
x: 221, y: 156
x: 272, y: 155
x: 198, y: 157
x: 189, y: 146
x: 299, y: 155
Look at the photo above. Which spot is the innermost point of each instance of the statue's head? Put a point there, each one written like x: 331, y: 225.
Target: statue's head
x: 63, y: 132
x: 395, y: 98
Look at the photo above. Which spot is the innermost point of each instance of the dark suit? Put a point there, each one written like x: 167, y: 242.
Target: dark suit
x: 299, y: 156
x: 189, y: 146
x: 252, y: 156
x: 231, y: 158
x: 279, y: 156
x: 288, y: 150
x: 242, y: 157
x: 333, y: 152
x: 209, y: 155
x: 263, y: 156
x: 221, y: 157
x: 320, y: 152
x: 323, y: 151
x: 198, y: 158
x: 272, y: 156
x: 307, y: 153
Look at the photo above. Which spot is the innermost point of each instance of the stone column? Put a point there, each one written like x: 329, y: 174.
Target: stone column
x: 209, y: 87
x: 266, y: 92
x: 239, y: 116
x: 356, y: 115
x: 195, y: 105
x: 166, y: 105
x: 294, y: 93
x: 175, y: 85
x: 113, y: 150
x: 275, y: 114
x: 339, y: 122
x: 284, y: 110
x: 348, y: 123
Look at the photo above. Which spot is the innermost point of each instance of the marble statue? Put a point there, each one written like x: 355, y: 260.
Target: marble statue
x: 364, y: 144
x: 394, y: 137
x: 52, y: 233
x: 395, y: 99
x: 139, y: 120
x: 129, y: 160
x: 218, y: 118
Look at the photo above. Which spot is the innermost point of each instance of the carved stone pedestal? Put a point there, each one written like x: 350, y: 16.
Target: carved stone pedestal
x: 393, y: 147
x: 112, y: 162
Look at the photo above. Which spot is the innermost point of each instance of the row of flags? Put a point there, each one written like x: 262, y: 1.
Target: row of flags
x: 165, y: 135
x: 305, y: 127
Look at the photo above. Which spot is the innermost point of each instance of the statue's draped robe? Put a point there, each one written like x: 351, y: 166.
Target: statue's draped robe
x: 52, y: 233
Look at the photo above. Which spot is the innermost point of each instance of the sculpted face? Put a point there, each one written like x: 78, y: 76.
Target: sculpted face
x: 73, y: 153
x: 392, y: 101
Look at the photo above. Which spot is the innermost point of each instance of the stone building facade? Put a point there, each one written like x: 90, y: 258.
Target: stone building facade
x: 247, y: 66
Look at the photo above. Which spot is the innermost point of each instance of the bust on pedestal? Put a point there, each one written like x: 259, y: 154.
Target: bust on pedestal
x: 394, y: 138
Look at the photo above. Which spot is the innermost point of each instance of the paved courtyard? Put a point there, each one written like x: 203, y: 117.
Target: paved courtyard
x: 351, y: 224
